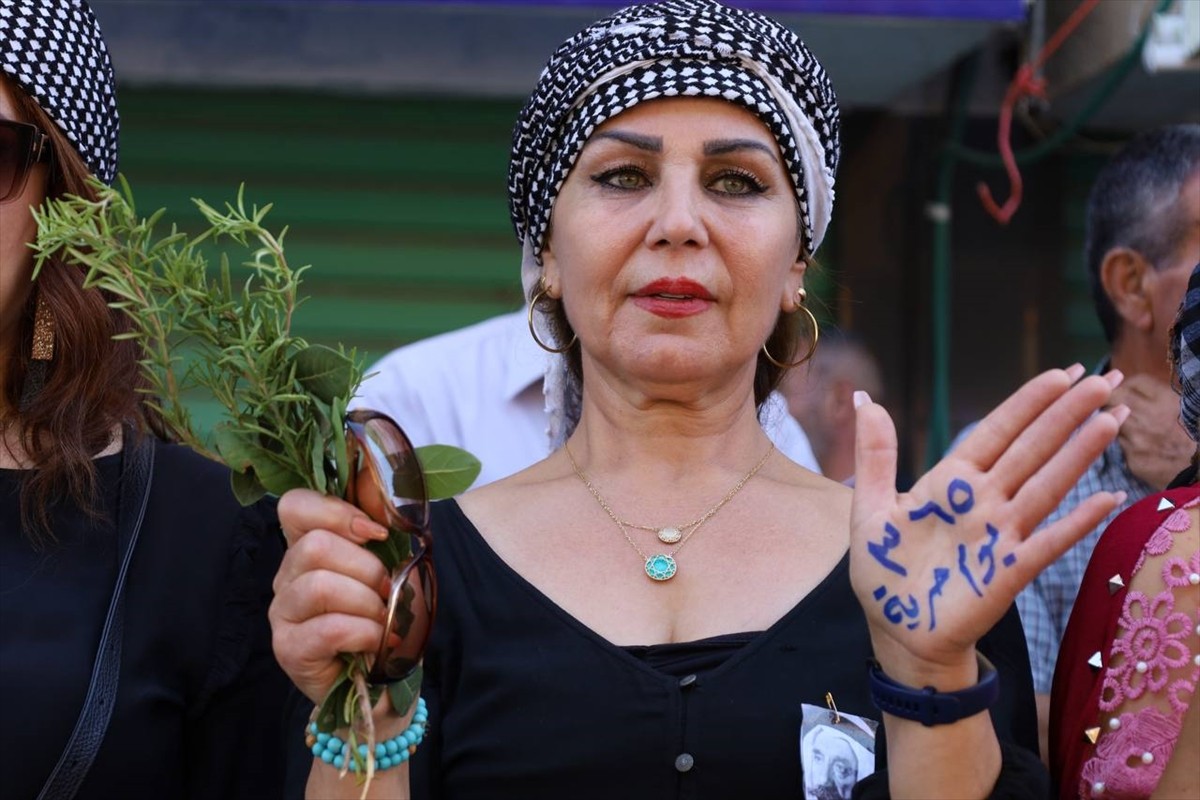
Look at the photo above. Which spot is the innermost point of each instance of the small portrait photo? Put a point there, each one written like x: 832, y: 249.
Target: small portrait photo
x: 837, y: 750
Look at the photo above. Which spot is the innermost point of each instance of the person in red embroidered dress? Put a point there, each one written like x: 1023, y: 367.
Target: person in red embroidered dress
x: 1130, y: 660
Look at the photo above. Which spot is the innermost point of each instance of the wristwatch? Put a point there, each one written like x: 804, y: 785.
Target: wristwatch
x: 929, y: 706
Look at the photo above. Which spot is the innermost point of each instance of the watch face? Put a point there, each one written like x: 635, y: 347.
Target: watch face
x: 837, y: 750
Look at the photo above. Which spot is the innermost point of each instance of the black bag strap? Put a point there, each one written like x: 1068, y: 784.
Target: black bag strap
x: 137, y: 467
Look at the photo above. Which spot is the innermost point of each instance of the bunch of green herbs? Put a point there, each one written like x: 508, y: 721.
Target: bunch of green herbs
x: 229, y: 334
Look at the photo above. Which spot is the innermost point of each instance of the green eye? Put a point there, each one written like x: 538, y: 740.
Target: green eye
x: 627, y: 180
x: 737, y: 183
x: 734, y: 184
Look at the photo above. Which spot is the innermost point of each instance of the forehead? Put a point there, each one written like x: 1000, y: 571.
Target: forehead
x: 8, y: 106
x: 693, y: 117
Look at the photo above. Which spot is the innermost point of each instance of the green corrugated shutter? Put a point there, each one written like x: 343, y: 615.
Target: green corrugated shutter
x: 398, y: 204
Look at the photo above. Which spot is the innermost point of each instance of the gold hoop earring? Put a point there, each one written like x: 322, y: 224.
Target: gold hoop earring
x: 533, y: 330
x: 43, y: 331
x: 801, y: 295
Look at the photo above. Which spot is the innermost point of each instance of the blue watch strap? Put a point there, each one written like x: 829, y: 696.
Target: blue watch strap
x: 929, y: 706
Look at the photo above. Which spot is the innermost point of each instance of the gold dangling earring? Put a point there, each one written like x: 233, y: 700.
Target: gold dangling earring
x: 542, y: 291
x: 801, y: 296
x: 43, y: 331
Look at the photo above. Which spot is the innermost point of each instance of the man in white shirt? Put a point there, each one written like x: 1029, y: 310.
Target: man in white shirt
x: 480, y: 388
x: 820, y: 395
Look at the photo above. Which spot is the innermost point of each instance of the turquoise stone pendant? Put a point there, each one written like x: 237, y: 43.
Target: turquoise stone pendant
x: 660, y: 567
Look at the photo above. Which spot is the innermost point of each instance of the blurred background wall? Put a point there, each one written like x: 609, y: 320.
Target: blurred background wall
x: 380, y: 131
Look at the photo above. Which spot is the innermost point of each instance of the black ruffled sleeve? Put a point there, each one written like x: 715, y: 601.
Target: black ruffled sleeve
x: 237, y: 729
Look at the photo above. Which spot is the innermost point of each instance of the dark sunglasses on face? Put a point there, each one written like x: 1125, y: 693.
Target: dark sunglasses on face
x: 21, y: 146
x: 387, y: 483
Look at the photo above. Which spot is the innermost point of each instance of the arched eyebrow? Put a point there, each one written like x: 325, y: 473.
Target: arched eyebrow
x: 720, y: 147
x: 653, y: 144
x: 715, y: 147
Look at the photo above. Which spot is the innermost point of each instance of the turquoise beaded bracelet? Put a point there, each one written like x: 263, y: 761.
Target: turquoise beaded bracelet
x: 389, y: 753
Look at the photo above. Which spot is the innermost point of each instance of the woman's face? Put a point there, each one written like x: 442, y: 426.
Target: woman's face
x: 17, y: 230
x: 674, y: 243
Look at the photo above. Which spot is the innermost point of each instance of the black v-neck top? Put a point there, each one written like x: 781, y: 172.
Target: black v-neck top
x: 527, y: 702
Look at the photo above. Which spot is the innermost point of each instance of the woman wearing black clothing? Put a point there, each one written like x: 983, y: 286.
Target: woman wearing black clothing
x: 133, y: 587
x: 656, y: 609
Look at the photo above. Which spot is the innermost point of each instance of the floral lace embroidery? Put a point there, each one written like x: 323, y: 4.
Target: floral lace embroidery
x: 1145, y: 739
x: 1152, y: 652
x: 1178, y: 573
x: 1161, y: 541
x: 1155, y: 642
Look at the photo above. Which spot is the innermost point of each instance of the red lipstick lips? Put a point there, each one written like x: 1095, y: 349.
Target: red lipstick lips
x: 673, y: 298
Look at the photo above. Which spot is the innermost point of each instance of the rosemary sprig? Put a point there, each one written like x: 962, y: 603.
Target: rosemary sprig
x: 284, y: 399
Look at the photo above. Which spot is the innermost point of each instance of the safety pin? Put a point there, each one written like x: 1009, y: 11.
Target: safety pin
x: 837, y: 718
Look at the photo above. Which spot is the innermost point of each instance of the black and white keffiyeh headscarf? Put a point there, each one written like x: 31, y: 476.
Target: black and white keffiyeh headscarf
x: 54, y: 51
x: 679, y: 48
x: 1186, y: 354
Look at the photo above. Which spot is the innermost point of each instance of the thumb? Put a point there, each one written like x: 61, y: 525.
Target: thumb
x: 874, y: 455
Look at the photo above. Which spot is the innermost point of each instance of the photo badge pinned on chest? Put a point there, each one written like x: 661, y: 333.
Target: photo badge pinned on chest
x: 837, y: 750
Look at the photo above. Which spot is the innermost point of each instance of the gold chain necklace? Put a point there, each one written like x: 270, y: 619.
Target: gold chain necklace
x: 662, y: 566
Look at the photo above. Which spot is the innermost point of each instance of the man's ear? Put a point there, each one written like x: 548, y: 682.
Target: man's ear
x: 1123, y: 274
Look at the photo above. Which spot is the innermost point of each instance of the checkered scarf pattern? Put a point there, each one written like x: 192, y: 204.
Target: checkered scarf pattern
x: 53, y: 50
x: 1187, y: 357
x: 688, y: 48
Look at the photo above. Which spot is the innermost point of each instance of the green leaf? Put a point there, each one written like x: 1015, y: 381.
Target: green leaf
x: 324, y: 372
x: 337, y: 412
x: 329, y: 714
x: 394, y: 550
x: 448, y: 470
x: 404, y: 693
x: 276, y: 475
x: 237, y: 448
x: 246, y: 487
x: 317, y: 451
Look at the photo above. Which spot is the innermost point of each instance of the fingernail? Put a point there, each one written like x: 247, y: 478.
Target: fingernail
x: 1120, y: 497
x: 1121, y: 412
x: 368, y: 528
x: 1075, y: 372
x: 861, y: 398
x: 1114, y: 377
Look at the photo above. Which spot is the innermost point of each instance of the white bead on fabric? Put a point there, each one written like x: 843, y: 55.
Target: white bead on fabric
x: 53, y: 49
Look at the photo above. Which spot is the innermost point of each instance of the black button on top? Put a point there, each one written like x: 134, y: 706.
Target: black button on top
x: 686, y: 681
x: 684, y: 762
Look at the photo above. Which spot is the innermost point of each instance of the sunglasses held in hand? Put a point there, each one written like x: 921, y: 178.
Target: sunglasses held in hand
x: 387, y: 483
x: 21, y: 146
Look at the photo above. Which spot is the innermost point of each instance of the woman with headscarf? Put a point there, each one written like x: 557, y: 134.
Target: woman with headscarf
x: 1130, y: 658
x: 135, y: 657
x: 654, y: 609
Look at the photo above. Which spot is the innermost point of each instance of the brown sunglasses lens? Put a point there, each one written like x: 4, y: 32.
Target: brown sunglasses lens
x: 412, y: 606
x: 388, y: 483
x: 16, y: 148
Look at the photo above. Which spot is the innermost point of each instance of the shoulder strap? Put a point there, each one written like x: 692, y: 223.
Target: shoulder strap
x: 137, y: 466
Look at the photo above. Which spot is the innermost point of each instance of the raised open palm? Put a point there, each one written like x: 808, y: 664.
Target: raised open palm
x: 935, y: 568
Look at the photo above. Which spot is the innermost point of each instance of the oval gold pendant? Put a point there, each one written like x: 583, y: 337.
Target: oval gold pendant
x: 669, y: 535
